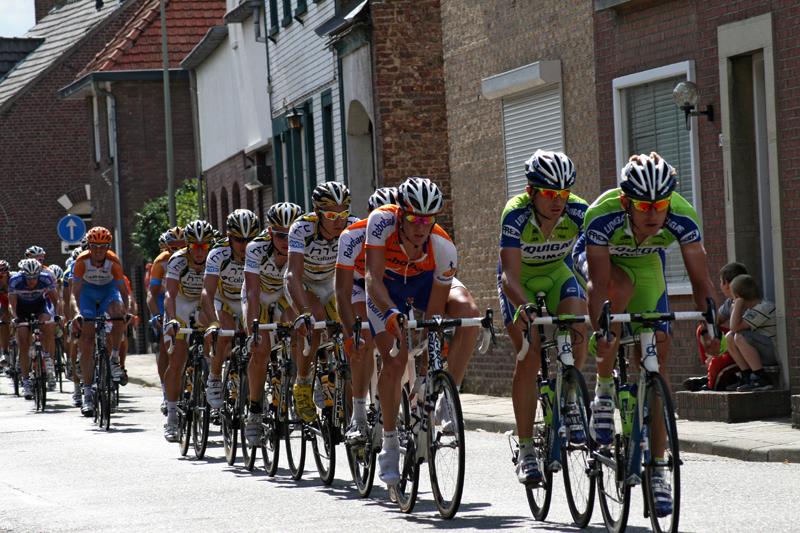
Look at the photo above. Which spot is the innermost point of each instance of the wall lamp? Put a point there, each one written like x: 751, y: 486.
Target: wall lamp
x: 686, y: 94
x: 295, y: 119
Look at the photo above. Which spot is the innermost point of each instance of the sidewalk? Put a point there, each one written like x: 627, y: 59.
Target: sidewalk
x: 764, y: 441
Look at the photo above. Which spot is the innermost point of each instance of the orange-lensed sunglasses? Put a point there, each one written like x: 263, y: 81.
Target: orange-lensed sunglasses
x: 551, y: 193
x: 332, y: 215
x: 658, y: 205
x: 414, y: 219
x: 199, y: 246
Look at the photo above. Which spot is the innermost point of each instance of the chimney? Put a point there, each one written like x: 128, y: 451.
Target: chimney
x: 43, y: 7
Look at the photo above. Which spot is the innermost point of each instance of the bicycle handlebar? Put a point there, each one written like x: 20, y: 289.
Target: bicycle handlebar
x: 440, y: 323
x: 547, y: 321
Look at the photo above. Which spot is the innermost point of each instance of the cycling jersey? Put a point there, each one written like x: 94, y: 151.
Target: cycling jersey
x: 18, y: 285
x: 109, y: 271
x: 608, y: 225
x: 319, y: 254
x: 546, y: 260
x: 190, y: 281
x: 260, y: 259
x: 221, y: 263
x: 404, y: 278
x: 351, y: 255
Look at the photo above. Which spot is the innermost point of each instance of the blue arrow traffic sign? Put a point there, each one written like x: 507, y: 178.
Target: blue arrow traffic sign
x: 71, y: 228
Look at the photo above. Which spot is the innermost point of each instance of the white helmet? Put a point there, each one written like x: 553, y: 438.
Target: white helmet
x: 30, y: 267
x: 420, y: 196
x: 550, y: 170
x: 381, y: 197
x: 647, y: 178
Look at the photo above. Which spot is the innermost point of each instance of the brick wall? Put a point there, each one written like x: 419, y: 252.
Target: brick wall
x: 654, y: 34
x: 228, y: 176
x: 44, y: 154
x: 483, y: 38
x: 410, y: 114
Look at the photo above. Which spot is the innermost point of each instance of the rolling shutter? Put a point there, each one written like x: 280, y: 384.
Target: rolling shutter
x: 530, y: 123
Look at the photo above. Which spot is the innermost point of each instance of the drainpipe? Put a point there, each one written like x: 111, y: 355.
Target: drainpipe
x: 117, y: 204
x: 198, y: 155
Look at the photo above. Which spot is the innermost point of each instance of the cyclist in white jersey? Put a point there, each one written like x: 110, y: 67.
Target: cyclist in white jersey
x: 184, y: 285
x: 222, y: 291
x: 265, y: 265
x: 313, y: 247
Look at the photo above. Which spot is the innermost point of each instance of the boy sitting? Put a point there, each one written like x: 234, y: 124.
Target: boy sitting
x: 752, y: 336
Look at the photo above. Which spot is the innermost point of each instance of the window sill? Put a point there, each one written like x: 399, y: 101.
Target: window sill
x: 273, y: 31
x: 286, y: 21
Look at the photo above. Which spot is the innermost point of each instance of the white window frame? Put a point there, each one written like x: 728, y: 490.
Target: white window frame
x: 669, y: 71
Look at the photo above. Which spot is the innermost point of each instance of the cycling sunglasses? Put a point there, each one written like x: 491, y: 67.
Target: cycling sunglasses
x: 551, y: 193
x: 332, y: 215
x: 98, y: 246
x: 198, y: 246
x: 240, y: 240
x: 658, y: 205
x: 280, y: 234
x: 31, y: 277
x: 414, y: 219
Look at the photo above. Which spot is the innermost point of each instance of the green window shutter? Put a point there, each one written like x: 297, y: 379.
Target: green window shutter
x: 273, y: 17
x: 287, y: 13
x: 327, y: 135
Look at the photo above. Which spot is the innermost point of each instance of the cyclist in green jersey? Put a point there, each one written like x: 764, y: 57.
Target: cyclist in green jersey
x: 626, y: 232
x: 540, y: 228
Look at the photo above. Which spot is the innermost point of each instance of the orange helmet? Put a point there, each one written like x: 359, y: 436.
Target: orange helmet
x: 98, y: 235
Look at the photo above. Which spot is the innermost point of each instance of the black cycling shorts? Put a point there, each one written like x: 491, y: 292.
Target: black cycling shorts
x: 31, y: 311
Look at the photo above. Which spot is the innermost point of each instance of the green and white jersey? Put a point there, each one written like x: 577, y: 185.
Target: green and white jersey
x: 541, y: 252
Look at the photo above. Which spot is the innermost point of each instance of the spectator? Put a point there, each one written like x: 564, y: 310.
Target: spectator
x: 752, y: 335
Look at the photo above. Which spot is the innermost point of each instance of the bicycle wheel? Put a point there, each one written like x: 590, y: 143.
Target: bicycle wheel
x: 575, y: 450
x: 271, y: 428
x: 243, y: 404
x: 405, y: 492
x: 539, y: 495
x: 323, y: 445
x: 613, y: 493
x: 185, y: 411
x: 446, y: 448
x: 105, y: 420
x: 293, y: 433
x: 662, y: 469
x: 58, y: 359
x: 362, y: 459
x: 202, y: 412
x: 15, y: 376
x: 40, y: 381
x: 228, y: 412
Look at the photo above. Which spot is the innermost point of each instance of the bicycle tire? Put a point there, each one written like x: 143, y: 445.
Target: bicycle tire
x: 363, y: 459
x: 228, y: 413
x: 294, y: 433
x: 539, y: 496
x: 185, y: 411
x: 40, y: 383
x: 405, y: 492
x: 446, y: 469
x: 58, y: 360
x: 249, y: 452
x: 34, y: 370
x: 271, y: 428
x: 669, y: 468
x: 576, y: 457
x: 202, y: 412
x: 613, y: 493
x: 15, y: 376
x: 323, y: 445
x: 105, y: 420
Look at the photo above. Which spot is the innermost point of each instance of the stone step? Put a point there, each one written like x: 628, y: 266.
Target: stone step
x: 733, y: 406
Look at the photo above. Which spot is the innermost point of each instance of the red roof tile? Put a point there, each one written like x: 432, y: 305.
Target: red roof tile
x: 137, y: 46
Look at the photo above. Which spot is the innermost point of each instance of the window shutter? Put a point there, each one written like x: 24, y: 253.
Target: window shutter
x: 530, y: 123
x: 655, y: 124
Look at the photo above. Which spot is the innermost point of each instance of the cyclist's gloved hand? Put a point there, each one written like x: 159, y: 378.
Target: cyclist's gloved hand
x: 251, y: 341
x: 391, y: 325
x: 171, y: 327
x: 355, y: 351
x: 521, y: 316
x: 300, y: 323
x: 213, y: 327
x: 599, y: 347
x: 156, y: 322
x: 77, y: 322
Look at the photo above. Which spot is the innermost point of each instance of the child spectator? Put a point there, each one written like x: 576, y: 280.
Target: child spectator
x: 752, y: 335
x: 721, y: 366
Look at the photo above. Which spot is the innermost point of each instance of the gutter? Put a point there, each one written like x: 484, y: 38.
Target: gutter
x: 117, y: 204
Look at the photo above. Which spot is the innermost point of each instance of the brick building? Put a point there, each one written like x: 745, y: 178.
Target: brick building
x: 518, y: 76
x: 121, y: 96
x: 740, y: 166
x: 44, y: 142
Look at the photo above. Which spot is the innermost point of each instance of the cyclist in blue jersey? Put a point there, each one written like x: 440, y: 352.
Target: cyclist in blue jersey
x: 28, y: 292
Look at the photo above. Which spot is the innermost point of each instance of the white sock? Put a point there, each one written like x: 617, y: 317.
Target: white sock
x: 390, y: 440
x: 172, y: 411
x: 115, y: 355
x: 303, y: 380
x: 360, y: 409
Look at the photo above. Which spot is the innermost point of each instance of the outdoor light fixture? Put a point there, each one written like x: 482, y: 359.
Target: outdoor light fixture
x: 686, y: 94
x: 295, y: 119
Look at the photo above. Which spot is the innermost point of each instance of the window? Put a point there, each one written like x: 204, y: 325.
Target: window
x: 212, y: 207
x: 530, y: 123
x: 647, y: 120
x: 287, y: 13
x: 302, y: 7
x: 327, y: 135
x: 223, y: 200
x: 273, y: 17
x: 236, y: 197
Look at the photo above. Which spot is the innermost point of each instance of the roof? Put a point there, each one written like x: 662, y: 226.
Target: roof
x: 137, y: 46
x: 205, y: 47
x: 64, y: 29
x: 13, y: 50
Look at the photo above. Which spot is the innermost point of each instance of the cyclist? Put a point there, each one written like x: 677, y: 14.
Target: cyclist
x: 27, y: 300
x: 626, y: 231
x: 222, y: 291
x: 407, y: 254
x: 308, y: 283
x: 171, y: 241
x: 97, y: 276
x: 5, y: 330
x: 265, y: 266
x: 539, y: 229
x: 70, y: 346
x: 131, y: 320
x: 53, y: 308
x: 184, y: 285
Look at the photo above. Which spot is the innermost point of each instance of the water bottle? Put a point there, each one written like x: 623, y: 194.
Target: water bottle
x: 627, y: 405
x: 327, y: 388
x: 415, y: 403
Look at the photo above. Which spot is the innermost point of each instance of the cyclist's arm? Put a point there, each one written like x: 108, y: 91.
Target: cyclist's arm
x: 344, y: 299
x: 54, y: 298
x: 77, y: 285
x: 252, y: 287
x: 438, y: 299
x: 210, y: 282
x: 694, y: 257
x: 12, y: 305
x: 66, y: 298
x: 152, y: 298
x: 375, y: 269
x: 294, y: 282
x: 123, y: 291
x: 598, y: 261
x: 170, y: 308
x: 510, y: 272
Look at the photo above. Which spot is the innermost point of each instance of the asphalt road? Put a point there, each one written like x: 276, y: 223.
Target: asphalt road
x: 60, y: 473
